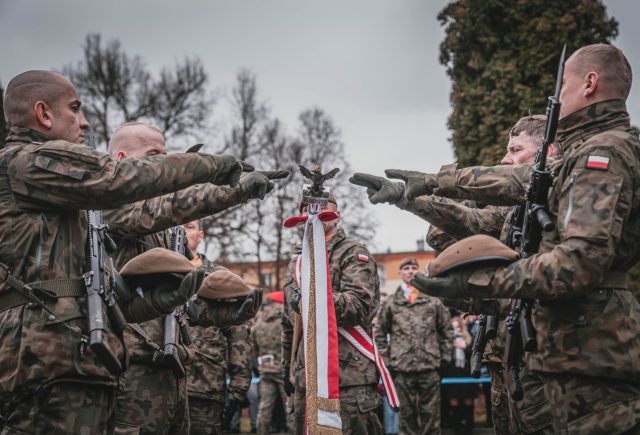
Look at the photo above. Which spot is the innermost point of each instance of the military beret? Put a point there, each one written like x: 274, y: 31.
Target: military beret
x: 157, y: 261
x: 472, y: 251
x: 409, y: 261
x: 332, y: 198
x: 223, y: 284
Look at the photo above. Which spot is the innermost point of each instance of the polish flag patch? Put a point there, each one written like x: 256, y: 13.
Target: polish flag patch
x: 598, y: 162
x: 363, y: 257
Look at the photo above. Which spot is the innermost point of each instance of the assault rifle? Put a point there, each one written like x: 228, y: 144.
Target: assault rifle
x: 175, y: 321
x: 100, y: 282
x: 487, y: 331
x: 528, y: 223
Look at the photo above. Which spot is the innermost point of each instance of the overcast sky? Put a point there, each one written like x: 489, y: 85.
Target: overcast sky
x: 371, y: 64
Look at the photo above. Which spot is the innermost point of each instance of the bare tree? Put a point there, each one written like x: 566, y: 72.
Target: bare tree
x: 116, y: 87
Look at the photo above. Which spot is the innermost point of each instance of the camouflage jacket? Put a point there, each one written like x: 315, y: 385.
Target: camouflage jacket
x: 219, y: 352
x: 47, y: 185
x: 266, y: 342
x: 596, y: 211
x: 356, y: 296
x: 143, y: 225
x: 458, y: 220
x: 414, y: 337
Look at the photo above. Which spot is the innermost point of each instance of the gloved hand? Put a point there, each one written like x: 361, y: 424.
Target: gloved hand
x: 239, y: 312
x: 379, y: 189
x: 417, y: 183
x: 257, y: 184
x: 231, y: 405
x: 288, y: 386
x: 161, y: 297
x: 232, y: 169
x: 455, y: 285
x: 296, y: 297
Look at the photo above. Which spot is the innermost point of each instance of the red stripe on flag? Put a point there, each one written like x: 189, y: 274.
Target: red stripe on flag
x: 597, y: 165
x: 333, y: 365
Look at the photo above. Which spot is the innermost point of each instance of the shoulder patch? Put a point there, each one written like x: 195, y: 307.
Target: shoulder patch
x: 363, y: 257
x: 597, y: 162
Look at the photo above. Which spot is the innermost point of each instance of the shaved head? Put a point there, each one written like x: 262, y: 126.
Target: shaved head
x: 26, y: 89
x: 136, y: 139
x: 610, y: 64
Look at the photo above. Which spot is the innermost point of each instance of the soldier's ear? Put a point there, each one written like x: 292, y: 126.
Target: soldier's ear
x: 43, y: 114
x: 591, y: 82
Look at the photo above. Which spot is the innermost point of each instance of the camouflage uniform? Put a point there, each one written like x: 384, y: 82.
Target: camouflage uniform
x: 588, y: 348
x: 45, y: 385
x: 151, y: 399
x: 415, y: 339
x: 356, y: 295
x: 531, y: 415
x: 266, y: 334
x: 218, y: 352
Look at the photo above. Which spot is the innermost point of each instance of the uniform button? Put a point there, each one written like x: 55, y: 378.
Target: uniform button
x: 581, y: 318
x: 51, y: 317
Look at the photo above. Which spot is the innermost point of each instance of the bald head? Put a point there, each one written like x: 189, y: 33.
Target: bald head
x: 26, y: 89
x: 136, y: 139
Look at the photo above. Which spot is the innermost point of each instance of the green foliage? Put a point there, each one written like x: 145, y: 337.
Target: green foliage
x: 502, y: 57
x: 3, y: 123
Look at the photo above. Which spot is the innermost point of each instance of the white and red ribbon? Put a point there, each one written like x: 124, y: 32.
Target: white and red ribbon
x: 320, y: 337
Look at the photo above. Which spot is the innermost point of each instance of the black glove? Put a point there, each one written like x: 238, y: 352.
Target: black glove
x: 455, y: 285
x: 160, y: 295
x: 226, y: 314
x: 231, y: 405
x: 296, y: 297
x: 417, y: 183
x: 288, y: 386
x: 257, y: 184
x: 379, y: 189
x: 231, y: 171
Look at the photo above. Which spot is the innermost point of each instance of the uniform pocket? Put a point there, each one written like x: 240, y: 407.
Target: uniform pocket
x: 367, y: 403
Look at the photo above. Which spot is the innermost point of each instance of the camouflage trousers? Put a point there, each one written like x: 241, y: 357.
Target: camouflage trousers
x: 151, y: 401
x: 419, y: 395
x: 269, y: 390
x: 62, y: 408
x: 592, y: 406
x: 500, y: 412
x: 358, y: 410
x: 205, y: 416
x: 532, y: 415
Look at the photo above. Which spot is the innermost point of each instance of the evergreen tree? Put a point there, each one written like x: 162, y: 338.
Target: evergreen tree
x: 502, y: 57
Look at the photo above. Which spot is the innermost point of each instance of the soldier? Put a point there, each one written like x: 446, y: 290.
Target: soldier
x: 356, y: 295
x: 153, y: 399
x: 586, y: 320
x: 217, y: 352
x: 414, y: 336
x: 49, y: 381
x: 459, y: 220
x: 267, y: 351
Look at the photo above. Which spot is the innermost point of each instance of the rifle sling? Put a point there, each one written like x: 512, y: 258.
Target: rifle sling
x: 60, y: 288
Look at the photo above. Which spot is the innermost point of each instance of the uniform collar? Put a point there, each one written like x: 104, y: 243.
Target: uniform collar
x: 20, y: 134
x: 336, y: 238
x: 589, y: 121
